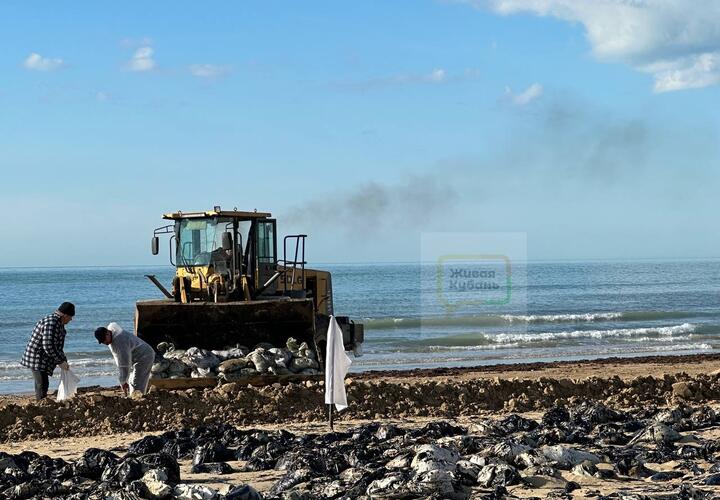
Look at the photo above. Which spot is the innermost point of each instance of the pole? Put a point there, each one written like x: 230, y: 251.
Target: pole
x: 329, y: 372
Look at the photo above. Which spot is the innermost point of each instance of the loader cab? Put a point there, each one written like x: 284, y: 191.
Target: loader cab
x: 203, y: 242
x: 219, y: 255
x: 222, y: 256
x: 264, y: 255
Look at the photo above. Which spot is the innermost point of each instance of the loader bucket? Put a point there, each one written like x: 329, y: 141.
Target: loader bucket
x: 210, y: 325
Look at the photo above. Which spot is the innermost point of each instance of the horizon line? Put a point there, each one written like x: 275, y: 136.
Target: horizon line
x: 382, y: 262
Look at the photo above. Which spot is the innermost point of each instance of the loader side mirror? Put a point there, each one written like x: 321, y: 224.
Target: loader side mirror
x: 155, y: 245
x: 227, y: 241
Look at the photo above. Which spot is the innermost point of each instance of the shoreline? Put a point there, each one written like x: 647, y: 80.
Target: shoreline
x: 536, y: 366
x: 530, y: 369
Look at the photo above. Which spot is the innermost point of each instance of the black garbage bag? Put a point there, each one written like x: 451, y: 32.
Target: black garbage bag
x: 105, y: 490
x: 179, y: 448
x: 215, y: 432
x: 7, y: 460
x: 362, y: 455
x: 54, y: 488
x: 232, y: 436
x: 364, y: 433
x: 250, y: 441
x: 211, y: 452
x: 666, y: 476
x: 289, y: 480
x: 12, y: 476
x: 515, y: 423
x: 556, y: 416
x: 246, y: 449
x: 703, y: 417
x: 632, y: 425
x: 436, y: 430
x: 212, y: 468
x: 244, y: 492
x: 301, y: 459
x: 23, y: 459
x: 124, y: 472
x: 256, y: 464
x: 611, y: 434
x: 276, y: 448
x: 712, y: 480
x: 333, y: 437
x: 360, y: 487
x: 44, y: 467
x: 325, y: 461
x: 388, y: 431
x: 148, y: 444
x: 687, y: 451
x: 588, y: 414
x: 29, y: 489
x: 93, y: 462
x: 162, y: 461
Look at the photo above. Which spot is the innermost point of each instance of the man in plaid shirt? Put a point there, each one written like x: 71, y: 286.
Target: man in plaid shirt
x: 45, y: 349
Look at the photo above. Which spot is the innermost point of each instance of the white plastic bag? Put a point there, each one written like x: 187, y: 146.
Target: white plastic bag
x: 68, y: 384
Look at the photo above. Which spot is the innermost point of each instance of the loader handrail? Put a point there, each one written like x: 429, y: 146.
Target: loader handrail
x: 299, y: 247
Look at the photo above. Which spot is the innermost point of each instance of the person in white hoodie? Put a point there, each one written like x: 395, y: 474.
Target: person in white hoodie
x: 133, y: 357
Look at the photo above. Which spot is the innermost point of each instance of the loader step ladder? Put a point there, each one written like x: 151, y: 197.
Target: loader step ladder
x: 292, y: 267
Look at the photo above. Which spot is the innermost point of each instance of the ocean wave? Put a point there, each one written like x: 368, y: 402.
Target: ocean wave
x: 84, y: 362
x: 668, y: 339
x: 482, y: 347
x: 646, y: 348
x: 561, y: 318
x: 84, y: 375
x: 553, y: 338
x: 681, y: 347
x: 504, y: 319
x: 685, y: 328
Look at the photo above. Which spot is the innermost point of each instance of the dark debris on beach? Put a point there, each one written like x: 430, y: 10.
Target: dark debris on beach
x: 645, y: 453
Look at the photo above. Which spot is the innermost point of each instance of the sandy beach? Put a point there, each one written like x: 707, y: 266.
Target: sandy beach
x: 470, y: 398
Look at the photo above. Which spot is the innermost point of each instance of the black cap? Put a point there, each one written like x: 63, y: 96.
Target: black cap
x: 100, y: 334
x: 67, y: 308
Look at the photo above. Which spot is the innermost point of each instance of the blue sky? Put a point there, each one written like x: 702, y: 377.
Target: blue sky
x: 592, y: 127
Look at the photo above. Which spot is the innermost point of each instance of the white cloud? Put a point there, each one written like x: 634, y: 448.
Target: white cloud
x: 435, y: 77
x: 39, y: 63
x: 208, y: 70
x: 686, y: 73
x: 136, y: 42
x: 142, y: 60
x: 102, y: 96
x: 526, y: 96
x: 676, y: 41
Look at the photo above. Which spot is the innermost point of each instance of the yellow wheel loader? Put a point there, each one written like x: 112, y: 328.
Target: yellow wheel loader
x: 230, y: 288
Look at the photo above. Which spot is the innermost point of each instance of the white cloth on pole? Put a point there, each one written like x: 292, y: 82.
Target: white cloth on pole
x: 68, y: 384
x: 337, y: 364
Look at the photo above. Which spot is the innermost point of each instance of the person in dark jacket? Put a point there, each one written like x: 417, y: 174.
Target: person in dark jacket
x: 45, y: 350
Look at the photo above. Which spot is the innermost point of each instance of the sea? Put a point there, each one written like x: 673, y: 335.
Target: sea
x: 560, y: 311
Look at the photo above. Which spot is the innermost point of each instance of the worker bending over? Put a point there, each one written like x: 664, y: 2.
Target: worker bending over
x: 133, y: 357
